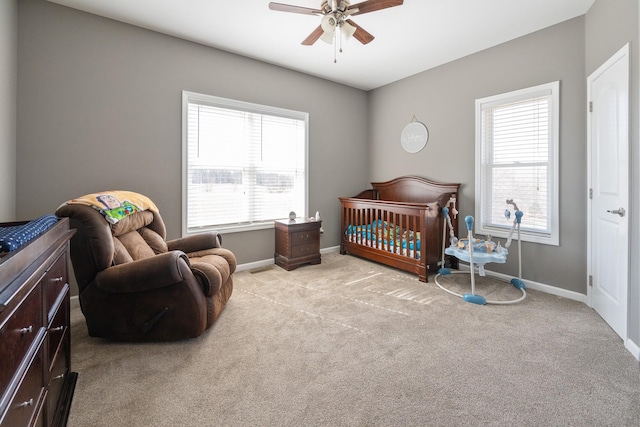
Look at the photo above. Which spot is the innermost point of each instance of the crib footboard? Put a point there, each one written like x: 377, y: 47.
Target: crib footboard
x: 403, y: 235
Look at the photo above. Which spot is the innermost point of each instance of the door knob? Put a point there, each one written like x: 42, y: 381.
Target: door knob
x: 620, y: 212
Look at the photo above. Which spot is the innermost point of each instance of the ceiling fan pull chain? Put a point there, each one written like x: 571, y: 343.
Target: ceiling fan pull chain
x: 335, y: 59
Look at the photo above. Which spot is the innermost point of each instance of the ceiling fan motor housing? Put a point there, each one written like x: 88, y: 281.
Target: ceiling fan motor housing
x: 335, y: 6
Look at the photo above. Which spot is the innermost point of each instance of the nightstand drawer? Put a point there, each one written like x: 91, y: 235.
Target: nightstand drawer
x: 304, y: 250
x: 302, y: 237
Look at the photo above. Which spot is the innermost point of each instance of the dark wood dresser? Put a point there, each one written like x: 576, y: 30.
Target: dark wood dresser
x: 297, y: 242
x: 36, y: 382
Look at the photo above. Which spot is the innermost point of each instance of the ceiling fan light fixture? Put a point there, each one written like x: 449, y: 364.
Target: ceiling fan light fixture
x: 328, y: 37
x: 347, y: 29
x: 328, y: 25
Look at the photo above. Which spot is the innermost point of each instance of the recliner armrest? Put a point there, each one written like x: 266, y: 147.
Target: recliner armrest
x: 142, y: 275
x: 196, y: 242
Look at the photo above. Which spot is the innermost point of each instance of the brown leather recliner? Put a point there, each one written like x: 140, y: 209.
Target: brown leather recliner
x: 136, y: 286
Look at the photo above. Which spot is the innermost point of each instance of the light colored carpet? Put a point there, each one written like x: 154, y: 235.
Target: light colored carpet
x: 353, y: 343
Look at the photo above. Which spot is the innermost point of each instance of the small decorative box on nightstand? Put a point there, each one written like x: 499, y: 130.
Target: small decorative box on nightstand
x: 297, y: 242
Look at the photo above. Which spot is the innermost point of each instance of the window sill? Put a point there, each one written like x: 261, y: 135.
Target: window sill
x: 238, y: 228
x: 524, y: 236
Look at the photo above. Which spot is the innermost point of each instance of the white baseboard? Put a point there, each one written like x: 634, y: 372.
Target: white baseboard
x: 256, y: 264
x: 330, y: 250
x: 576, y: 296
x: 633, y: 349
x: 267, y: 262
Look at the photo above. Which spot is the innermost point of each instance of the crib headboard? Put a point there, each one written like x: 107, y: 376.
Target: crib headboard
x: 415, y: 189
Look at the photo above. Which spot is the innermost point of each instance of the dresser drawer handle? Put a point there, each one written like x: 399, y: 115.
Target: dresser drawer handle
x: 57, y: 329
x: 25, y: 404
x: 28, y: 330
x: 57, y: 279
x: 58, y: 377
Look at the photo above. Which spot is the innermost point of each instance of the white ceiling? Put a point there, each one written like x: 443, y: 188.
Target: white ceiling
x: 419, y: 35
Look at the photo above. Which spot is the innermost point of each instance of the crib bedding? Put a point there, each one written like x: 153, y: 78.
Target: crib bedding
x: 397, y: 223
x: 388, y: 237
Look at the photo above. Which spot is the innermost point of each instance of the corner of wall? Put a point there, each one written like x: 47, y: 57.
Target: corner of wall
x: 8, y: 107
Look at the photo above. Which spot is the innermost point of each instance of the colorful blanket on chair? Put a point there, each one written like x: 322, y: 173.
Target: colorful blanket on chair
x: 115, y: 205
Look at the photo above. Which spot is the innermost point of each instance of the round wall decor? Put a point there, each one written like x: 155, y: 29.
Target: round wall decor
x: 414, y: 137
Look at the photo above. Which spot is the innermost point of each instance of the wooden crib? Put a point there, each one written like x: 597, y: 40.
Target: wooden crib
x: 398, y: 223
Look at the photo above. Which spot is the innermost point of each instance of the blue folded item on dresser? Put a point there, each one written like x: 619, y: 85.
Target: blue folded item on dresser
x: 14, y: 236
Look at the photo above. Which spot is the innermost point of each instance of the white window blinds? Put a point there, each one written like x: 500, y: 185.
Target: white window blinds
x: 245, y: 164
x: 516, y: 158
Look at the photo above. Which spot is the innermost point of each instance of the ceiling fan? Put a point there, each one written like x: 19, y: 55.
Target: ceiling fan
x: 335, y: 15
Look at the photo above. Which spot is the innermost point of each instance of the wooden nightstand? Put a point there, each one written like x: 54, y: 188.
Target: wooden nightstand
x: 297, y: 243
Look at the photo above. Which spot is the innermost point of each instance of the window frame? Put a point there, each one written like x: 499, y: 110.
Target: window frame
x: 551, y: 89
x: 219, y: 102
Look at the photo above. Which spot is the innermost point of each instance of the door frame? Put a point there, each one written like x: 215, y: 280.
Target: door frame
x: 624, y: 51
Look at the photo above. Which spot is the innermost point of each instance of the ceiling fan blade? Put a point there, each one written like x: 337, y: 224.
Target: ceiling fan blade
x: 313, y: 37
x: 372, y: 6
x: 360, y: 34
x: 294, y: 9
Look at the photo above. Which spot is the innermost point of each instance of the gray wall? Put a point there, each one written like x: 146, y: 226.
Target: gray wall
x: 609, y: 25
x: 444, y: 99
x: 100, y: 108
x: 8, y: 79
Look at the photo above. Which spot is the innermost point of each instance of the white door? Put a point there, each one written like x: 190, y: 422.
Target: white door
x: 608, y: 174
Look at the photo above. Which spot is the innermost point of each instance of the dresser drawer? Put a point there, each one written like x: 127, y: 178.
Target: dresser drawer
x: 53, y: 283
x: 59, y: 373
x: 18, y: 333
x: 26, y: 403
x: 302, y: 237
x: 57, y: 331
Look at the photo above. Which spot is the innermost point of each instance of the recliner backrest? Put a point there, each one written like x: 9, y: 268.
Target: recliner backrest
x: 97, y: 245
x: 135, y: 237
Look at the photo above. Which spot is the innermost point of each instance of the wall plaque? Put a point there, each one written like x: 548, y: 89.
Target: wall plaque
x: 414, y: 137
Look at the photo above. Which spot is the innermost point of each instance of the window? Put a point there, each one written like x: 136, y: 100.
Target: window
x: 244, y: 165
x: 517, y: 158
